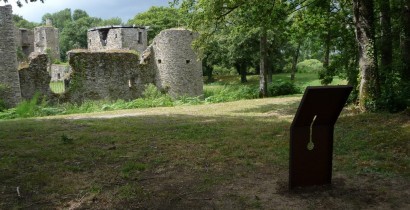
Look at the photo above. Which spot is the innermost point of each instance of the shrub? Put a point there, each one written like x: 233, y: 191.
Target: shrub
x: 151, y: 92
x: 309, y: 66
x: 231, y: 93
x: 280, y: 87
x: 2, y: 94
x: 31, y: 108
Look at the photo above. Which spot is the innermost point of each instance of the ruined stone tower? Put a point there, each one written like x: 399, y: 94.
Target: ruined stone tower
x: 25, y: 40
x: 117, y: 37
x: 46, y: 41
x: 9, y: 77
x: 179, y: 72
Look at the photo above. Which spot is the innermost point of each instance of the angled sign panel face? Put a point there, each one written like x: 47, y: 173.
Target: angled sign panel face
x: 311, y: 135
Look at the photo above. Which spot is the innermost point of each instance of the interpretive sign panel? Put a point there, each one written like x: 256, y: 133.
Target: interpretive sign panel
x: 311, y: 135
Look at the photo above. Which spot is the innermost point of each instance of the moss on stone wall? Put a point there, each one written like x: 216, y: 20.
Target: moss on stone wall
x: 35, y: 77
x: 114, y: 74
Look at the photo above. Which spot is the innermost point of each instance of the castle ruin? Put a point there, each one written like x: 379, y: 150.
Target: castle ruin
x: 25, y: 41
x: 46, y: 41
x: 10, y: 90
x: 117, y: 64
x: 117, y: 37
x: 178, y: 70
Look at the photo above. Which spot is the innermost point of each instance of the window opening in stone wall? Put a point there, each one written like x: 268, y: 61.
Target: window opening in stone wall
x: 26, y: 50
x: 58, y: 76
x: 159, y: 61
x: 129, y: 83
x: 115, y: 35
x: 139, y: 37
x: 103, y: 36
x: 188, y: 61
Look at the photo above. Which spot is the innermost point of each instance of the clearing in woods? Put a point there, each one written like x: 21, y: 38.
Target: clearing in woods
x: 216, y: 156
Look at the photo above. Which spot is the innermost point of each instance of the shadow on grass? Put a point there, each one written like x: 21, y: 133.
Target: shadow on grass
x: 174, y: 162
x: 283, y: 109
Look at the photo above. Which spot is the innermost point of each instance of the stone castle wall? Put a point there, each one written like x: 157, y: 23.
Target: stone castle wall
x: 117, y: 38
x: 178, y: 70
x: 134, y: 39
x: 35, y: 77
x: 47, y: 37
x: 106, y: 75
x: 9, y: 77
x: 60, y: 72
x: 25, y: 40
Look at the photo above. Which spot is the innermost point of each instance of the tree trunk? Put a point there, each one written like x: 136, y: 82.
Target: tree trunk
x: 386, y: 44
x: 295, y: 63
x: 258, y: 69
x: 327, y: 53
x: 405, y: 45
x: 369, y: 89
x: 263, y: 86
x: 208, y: 70
x: 270, y: 70
x: 243, y: 69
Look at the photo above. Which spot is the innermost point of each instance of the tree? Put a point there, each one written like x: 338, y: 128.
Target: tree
x: 78, y: 13
x: 158, y: 19
x: 406, y: 40
x: 18, y: 2
x: 369, y: 90
x: 20, y: 22
x: 260, y: 15
x: 60, y: 19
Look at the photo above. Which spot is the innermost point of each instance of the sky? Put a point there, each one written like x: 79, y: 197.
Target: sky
x: 105, y: 9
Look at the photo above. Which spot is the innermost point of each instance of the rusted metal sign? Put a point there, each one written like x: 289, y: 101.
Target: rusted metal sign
x: 311, y: 135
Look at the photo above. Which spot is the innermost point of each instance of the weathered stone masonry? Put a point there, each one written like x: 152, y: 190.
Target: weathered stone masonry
x: 178, y: 70
x: 25, y: 40
x: 46, y: 38
x: 60, y: 72
x: 35, y: 78
x: 117, y: 37
x: 8, y: 60
x: 106, y: 75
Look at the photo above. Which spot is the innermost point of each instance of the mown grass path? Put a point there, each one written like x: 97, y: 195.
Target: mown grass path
x: 217, y: 156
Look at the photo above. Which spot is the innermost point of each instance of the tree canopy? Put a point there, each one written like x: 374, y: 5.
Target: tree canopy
x: 20, y: 4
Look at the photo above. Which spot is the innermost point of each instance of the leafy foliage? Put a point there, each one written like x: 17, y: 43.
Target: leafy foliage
x: 281, y: 87
x: 310, y: 66
x: 20, y: 22
x: 158, y: 19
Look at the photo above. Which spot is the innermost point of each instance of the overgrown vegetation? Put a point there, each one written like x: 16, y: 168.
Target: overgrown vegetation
x: 225, y: 89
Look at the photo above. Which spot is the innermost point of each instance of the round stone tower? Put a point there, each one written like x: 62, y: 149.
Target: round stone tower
x: 179, y: 71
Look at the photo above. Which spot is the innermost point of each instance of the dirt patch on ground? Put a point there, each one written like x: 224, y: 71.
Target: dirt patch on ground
x: 263, y: 188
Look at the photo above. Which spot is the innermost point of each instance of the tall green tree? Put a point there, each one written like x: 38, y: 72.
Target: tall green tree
x: 369, y: 90
x: 261, y: 15
x: 405, y: 42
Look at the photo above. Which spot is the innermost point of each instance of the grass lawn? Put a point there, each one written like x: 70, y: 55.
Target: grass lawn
x: 213, y: 156
x: 57, y: 87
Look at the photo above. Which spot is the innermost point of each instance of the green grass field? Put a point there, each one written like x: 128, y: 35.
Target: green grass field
x: 57, y: 87
x: 196, y: 154
x: 223, y: 156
